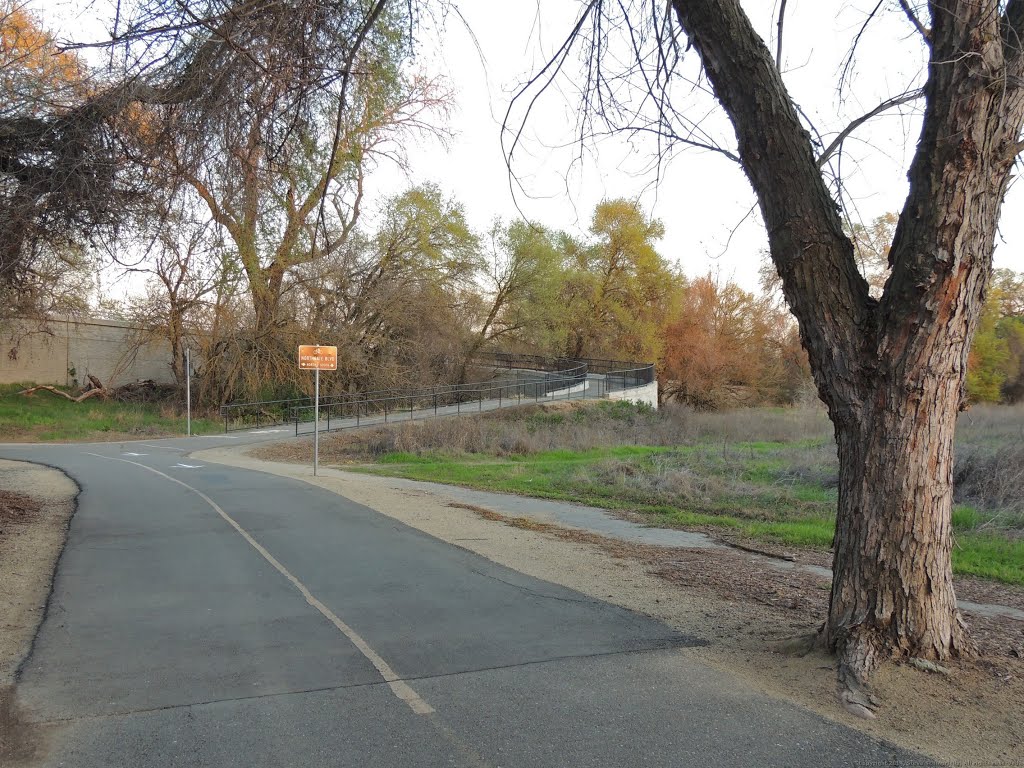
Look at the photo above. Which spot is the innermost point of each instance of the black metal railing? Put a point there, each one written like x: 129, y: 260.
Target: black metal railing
x: 349, y: 411
x: 535, y: 378
x: 633, y: 373
x: 259, y: 413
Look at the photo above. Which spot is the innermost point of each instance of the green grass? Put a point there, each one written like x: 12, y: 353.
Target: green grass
x: 44, y: 416
x: 577, y: 476
x: 990, y: 556
x: 766, y: 473
x: 745, y: 495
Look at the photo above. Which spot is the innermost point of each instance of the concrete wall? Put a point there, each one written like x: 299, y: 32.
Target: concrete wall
x: 647, y: 394
x: 44, y: 353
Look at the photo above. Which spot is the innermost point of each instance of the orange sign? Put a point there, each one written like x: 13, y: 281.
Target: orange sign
x: 313, y: 357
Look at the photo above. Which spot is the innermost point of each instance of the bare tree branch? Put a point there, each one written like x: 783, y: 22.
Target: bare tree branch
x: 364, y: 30
x: 856, y: 41
x: 1012, y: 25
x: 778, y: 37
x: 912, y: 15
x: 895, y: 101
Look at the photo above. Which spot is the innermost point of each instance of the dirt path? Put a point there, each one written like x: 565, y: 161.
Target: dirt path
x: 36, y: 503
x: 971, y: 715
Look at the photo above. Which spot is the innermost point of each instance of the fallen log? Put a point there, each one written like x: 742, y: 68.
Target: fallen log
x: 98, y: 392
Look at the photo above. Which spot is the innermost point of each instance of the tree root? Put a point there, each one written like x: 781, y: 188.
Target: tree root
x: 856, y: 698
x: 799, y: 645
x: 857, y: 660
x: 929, y: 666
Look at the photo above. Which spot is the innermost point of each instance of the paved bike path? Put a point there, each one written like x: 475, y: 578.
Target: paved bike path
x: 204, y: 615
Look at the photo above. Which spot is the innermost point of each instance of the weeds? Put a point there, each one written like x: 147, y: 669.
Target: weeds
x: 43, y: 417
x: 770, y: 473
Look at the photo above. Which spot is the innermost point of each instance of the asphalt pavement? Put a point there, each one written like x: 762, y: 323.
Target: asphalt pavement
x: 204, y: 615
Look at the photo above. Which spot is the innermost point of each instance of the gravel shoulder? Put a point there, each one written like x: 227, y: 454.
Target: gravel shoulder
x: 36, y: 504
x: 745, y: 610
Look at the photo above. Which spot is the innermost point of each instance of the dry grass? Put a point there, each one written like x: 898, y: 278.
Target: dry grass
x: 581, y: 427
x: 989, y: 470
x: 768, y: 474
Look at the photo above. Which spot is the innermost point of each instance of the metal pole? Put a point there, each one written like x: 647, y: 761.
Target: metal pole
x: 316, y: 423
x: 188, y: 389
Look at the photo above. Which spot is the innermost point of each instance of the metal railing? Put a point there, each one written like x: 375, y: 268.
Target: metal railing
x: 616, y: 381
x: 634, y: 374
x: 352, y: 411
x: 535, y: 379
x: 260, y: 413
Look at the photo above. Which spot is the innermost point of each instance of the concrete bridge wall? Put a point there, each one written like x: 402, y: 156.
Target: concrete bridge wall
x: 647, y: 394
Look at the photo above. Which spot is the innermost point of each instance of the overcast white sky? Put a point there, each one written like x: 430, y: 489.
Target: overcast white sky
x: 701, y: 197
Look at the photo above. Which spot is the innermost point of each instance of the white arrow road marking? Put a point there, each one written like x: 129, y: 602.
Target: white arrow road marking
x: 398, y: 686
x: 189, y: 466
x: 129, y: 453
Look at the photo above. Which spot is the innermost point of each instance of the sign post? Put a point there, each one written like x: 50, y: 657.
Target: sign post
x: 188, y: 389
x: 317, y: 357
x: 316, y: 422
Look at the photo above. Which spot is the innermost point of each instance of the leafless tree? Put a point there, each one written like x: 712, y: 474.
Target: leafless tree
x: 890, y: 369
x: 62, y: 173
x: 186, y: 266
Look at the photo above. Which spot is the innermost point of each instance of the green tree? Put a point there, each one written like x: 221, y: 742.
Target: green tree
x: 996, y: 365
x: 396, y: 302
x: 619, y: 289
x: 990, y: 354
x: 520, y: 283
x: 871, y: 244
x: 1008, y: 288
x: 1011, y: 330
x: 289, y: 202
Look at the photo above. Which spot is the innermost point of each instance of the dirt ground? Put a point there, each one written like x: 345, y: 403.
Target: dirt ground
x: 746, y: 610
x: 36, y: 504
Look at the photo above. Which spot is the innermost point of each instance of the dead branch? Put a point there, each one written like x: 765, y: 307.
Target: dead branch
x: 755, y: 551
x: 895, y: 101
x: 96, y: 392
x: 912, y: 15
x: 778, y: 37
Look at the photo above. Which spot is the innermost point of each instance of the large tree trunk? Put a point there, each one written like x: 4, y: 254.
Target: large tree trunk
x: 892, y: 589
x: 891, y: 371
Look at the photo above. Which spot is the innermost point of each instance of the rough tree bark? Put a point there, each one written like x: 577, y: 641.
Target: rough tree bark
x: 891, y: 371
